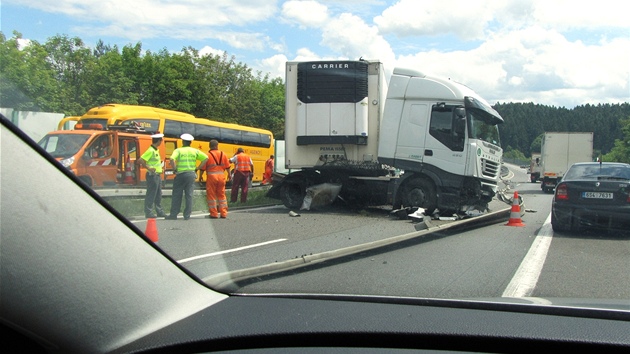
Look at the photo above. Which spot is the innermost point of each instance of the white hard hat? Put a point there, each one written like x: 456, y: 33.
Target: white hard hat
x: 159, y: 135
x: 187, y: 137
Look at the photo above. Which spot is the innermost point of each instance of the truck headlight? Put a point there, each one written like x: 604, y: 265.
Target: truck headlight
x: 67, y: 162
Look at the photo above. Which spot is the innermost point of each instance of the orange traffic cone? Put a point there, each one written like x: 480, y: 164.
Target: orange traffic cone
x: 151, y: 231
x: 128, y: 172
x: 515, y: 214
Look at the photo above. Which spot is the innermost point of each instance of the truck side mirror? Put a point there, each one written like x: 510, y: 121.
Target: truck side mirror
x: 460, y: 112
x: 460, y: 126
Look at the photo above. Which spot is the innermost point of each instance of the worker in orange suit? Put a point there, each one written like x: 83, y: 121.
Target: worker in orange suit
x: 215, y: 167
x: 268, y: 170
x: 243, y: 173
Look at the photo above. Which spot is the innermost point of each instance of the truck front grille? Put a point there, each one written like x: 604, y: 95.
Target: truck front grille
x: 489, y: 168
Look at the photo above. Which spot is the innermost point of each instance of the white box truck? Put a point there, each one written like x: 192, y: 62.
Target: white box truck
x: 420, y: 141
x: 560, y: 150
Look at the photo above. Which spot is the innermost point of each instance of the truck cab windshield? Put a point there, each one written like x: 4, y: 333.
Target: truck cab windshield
x: 482, y: 128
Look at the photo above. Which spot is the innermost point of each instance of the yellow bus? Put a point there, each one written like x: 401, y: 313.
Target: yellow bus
x: 257, y: 143
x: 112, y: 113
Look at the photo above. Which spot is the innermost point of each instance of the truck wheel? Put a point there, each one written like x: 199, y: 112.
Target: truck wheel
x: 292, y: 195
x: 420, y: 193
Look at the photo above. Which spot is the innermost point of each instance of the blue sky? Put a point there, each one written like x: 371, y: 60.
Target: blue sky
x: 553, y: 52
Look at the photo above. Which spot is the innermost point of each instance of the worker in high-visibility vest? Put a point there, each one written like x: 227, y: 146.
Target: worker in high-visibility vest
x: 268, y: 170
x: 184, y: 163
x: 215, y: 167
x: 152, y: 161
x: 243, y: 172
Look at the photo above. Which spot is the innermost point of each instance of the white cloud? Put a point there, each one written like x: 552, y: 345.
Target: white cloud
x: 305, y: 54
x: 207, y: 50
x: 538, y: 65
x: 557, y: 52
x: 23, y: 43
x: 566, y: 14
x: 274, y: 65
x: 464, y: 18
x: 161, y: 12
x: 352, y: 38
x: 305, y: 13
x: 145, y: 19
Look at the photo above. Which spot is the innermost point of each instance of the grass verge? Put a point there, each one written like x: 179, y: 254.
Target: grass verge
x: 133, y: 207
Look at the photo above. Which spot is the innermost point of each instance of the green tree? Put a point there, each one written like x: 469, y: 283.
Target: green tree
x: 536, y: 144
x: 71, y: 61
x: 27, y: 81
x: 621, y: 150
x: 514, y: 154
x: 109, y: 80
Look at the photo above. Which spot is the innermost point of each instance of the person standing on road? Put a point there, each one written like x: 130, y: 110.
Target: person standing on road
x: 268, y: 170
x: 184, y: 163
x: 243, y: 172
x: 152, y: 161
x: 215, y: 167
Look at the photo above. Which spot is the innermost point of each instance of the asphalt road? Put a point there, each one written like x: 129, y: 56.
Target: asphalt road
x: 277, y: 252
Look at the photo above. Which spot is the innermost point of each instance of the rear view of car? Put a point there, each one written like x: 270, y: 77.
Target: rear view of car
x: 593, y: 194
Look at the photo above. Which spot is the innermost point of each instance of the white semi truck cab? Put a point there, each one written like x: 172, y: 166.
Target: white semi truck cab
x: 419, y: 141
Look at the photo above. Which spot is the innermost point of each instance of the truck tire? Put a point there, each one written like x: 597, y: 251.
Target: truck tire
x: 292, y: 195
x: 420, y: 192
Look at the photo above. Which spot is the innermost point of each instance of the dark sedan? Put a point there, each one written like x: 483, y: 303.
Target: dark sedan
x: 593, y: 194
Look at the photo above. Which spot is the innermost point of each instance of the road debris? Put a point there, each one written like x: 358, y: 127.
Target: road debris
x: 320, y: 195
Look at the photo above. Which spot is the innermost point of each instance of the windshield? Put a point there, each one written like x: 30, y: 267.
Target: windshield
x: 63, y: 145
x: 317, y: 195
x: 482, y: 128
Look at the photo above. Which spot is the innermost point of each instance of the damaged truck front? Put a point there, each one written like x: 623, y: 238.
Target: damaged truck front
x: 420, y: 141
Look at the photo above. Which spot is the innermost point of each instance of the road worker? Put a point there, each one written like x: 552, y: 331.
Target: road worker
x: 184, y: 163
x: 243, y: 172
x: 268, y: 170
x: 152, y: 161
x: 215, y: 167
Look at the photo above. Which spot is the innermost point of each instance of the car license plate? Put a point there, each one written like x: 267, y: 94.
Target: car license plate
x: 597, y: 195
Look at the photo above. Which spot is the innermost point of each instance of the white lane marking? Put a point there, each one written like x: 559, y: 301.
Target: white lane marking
x: 230, y: 250
x: 526, y: 277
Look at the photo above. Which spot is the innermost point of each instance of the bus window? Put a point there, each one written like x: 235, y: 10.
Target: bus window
x: 266, y: 140
x: 207, y: 132
x: 251, y: 138
x: 150, y: 125
x: 172, y: 129
x: 231, y: 136
x: 189, y: 128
